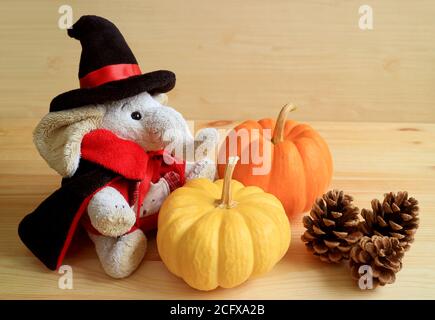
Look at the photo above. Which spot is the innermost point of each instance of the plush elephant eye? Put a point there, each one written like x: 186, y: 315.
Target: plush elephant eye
x: 136, y: 115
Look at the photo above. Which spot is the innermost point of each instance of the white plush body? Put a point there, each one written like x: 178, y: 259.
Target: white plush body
x: 159, y: 126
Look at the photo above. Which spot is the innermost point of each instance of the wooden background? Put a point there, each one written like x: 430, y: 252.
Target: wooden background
x: 239, y: 59
x: 370, y: 94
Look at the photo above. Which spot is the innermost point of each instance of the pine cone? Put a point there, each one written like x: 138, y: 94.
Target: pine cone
x: 397, y: 217
x: 383, y: 254
x: 332, y: 228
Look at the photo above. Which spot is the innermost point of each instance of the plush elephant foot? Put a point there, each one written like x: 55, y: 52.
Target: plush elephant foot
x: 204, y: 168
x: 120, y: 256
x: 110, y: 213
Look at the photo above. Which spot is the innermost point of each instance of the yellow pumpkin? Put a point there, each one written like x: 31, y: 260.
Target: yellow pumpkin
x: 221, y: 233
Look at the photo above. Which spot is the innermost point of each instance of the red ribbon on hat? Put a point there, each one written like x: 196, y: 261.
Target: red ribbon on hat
x: 109, y: 73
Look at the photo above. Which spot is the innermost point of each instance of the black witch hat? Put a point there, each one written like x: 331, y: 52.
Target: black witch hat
x: 108, y: 69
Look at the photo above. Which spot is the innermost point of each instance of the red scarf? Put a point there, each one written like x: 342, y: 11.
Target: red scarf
x: 136, y: 167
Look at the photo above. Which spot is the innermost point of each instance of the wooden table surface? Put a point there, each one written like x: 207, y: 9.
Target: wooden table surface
x: 369, y: 93
x: 370, y: 159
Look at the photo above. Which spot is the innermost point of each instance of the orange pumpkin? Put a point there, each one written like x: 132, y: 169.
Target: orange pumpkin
x: 299, y: 160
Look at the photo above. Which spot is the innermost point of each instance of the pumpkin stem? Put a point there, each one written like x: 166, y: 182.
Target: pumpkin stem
x: 226, y: 198
x: 278, y: 133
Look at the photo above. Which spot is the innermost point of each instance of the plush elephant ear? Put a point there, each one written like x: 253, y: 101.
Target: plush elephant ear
x: 58, y: 136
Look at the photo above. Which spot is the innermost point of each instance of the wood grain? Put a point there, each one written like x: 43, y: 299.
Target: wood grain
x: 370, y: 159
x: 236, y: 59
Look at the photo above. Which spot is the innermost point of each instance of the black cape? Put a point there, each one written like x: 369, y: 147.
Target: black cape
x: 48, y: 230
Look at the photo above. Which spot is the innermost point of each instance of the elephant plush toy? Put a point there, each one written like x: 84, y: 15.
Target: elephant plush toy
x: 112, y: 142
